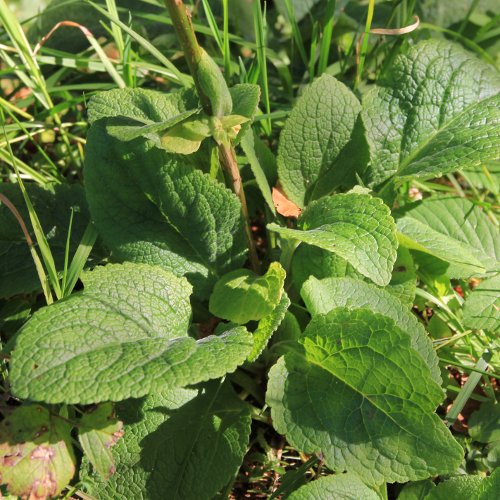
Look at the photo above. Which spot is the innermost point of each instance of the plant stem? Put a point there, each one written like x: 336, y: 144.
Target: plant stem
x: 181, y: 21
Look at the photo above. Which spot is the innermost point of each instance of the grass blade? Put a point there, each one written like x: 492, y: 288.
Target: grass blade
x: 326, y: 40
x: 80, y: 259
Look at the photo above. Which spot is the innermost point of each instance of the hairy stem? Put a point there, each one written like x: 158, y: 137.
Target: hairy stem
x: 181, y: 21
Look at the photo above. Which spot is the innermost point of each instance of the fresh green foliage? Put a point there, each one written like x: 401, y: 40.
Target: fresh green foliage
x: 337, y: 486
x: 454, y: 230
x: 356, y: 227
x: 178, y: 462
x: 436, y: 112
x: 212, y: 288
x: 321, y: 296
x: 482, y: 307
x: 315, y: 135
x: 242, y: 296
x: 378, y: 421
x: 150, y: 349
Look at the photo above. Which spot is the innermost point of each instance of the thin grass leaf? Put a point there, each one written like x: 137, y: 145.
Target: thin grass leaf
x: 115, y: 29
x: 226, y: 51
x: 364, y: 43
x: 260, y: 37
x: 469, y: 386
x: 43, y: 245
x: 36, y: 259
x: 80, y: 259
x: 175, y: 75
x: 66, y: 251
x: 213, y: 25
x: 94, y: 44
x: 296, y: 34
x: 326, y: 40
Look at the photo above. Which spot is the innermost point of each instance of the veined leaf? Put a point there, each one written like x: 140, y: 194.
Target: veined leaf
x: 454, y: 230
x: 339, y: 486
x: 362, y: 397
x: 317, y: 131
x: 467, y: 487
x: 36, y: 454
x: 437, y: 111
x: 321, y: 296
x: 158, y: 458
x: 153, y: 207
x: 482, y: 306
x: 242, y: 296
x: 484, y: 424
x: 98, y: 432
x: 124, y: 336
x: 357, y: 227
x: 309, y: 261
x: 267, y: 326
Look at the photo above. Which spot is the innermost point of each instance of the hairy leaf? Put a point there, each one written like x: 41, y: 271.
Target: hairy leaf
x: 242, y: 296
x: 467, y: 487
x: 482, y: 306
x: 178, y: 443
x: 36, y: 455
x: 309, y: 261
x: 436, y: 111
x: 124, y: 336
x: 321, y: 296
x: 267, y: 326
x: 99, y: 431
x: 318, y: 129
x: 359, y: 394
x: 453, y: 229
x: 153, y: 207
x: 339, y: 486
x: 53, y: 207
x: 356, y: 227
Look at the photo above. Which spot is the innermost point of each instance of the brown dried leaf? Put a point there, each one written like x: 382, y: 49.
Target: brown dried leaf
x: 283, y: 205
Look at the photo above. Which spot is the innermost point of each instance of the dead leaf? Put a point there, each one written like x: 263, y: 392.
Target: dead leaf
x: 283, y: 205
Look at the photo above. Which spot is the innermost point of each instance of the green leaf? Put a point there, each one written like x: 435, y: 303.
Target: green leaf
x: 313, y: 261
x: 484, y: 424
x: 246, y: 97
x: 453, y: 229
x: 124, y: 336
x: 267, y: 326
x: 356, y: 227
x: 339, y: 486
x: 99, y: 431
x: 363, y: 398
x: 185, y: 138
x: 242, y: 296
x: 467, y: 487
x: 436, y: 111
x: 248, y: 144
x: 36, y: 455
x: 157, y: 456
x: 154, y: 207
x: 318, y: 129
x: 127, y: 129
x: 53, y: 207
x: 214, y: 85
x: 321, y: 296
x: 416, y: 490
x: 482, y: 306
